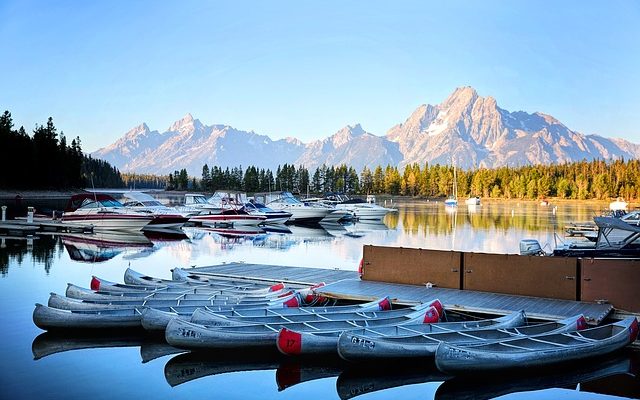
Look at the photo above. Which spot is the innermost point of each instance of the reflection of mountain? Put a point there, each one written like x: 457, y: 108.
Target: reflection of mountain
x: 102, y: 246
x: 568, y: 376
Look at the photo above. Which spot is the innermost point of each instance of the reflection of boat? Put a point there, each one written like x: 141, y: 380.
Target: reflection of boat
x: 358, y: 381
x: 49, y: 343
x: 233, y: 232
x: 486, y: 386
x: 104, y: 213
x: 189, y: 366
x: 472, y: 201
x: 103, y: 245
x: 228, y: 217
x: 537, y: 351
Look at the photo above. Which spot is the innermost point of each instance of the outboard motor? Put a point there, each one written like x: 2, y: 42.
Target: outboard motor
x: 530, y: 247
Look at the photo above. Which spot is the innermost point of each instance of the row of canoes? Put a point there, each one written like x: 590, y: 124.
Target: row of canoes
x: 208, y: 312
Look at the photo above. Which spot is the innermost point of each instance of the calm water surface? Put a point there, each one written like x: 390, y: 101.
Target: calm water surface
x: 37, y: 365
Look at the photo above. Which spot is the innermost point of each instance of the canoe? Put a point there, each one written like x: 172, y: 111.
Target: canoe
x: 204, y: 317
x: 78, y: 292
x: 105, y: 286
x: 136, y: 278
x: 536, y: 351
x: 48, y: 318
x: 66, y: 303
x: 292, y: 342
x: 186, y: 334
x: 157, y: 320
x: 353, y: 347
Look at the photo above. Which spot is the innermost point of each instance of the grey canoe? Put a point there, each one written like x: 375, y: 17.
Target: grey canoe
x: 354, y: 347
x: 292, y: 342
x: 157, y: 320
x: 105, y: 286
x: 67, y: 303
x: 204, y: 317
x: 77, y: 292
x: 136, y: 278
x: 186, y: 334
x: 52, y: 318
x: 536, y: 351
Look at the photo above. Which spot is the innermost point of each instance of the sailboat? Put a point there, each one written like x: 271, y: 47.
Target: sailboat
x: 452, y: 201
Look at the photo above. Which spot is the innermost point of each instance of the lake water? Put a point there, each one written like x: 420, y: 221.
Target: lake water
x: 37, y: 365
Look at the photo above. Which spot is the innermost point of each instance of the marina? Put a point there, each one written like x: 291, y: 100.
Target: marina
x: 297, y: 257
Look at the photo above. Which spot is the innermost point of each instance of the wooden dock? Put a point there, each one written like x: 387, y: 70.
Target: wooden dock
x: 21, y: 227
x: 347, y: 285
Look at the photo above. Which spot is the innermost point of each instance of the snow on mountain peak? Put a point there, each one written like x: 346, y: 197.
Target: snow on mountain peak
x: 187, y: 123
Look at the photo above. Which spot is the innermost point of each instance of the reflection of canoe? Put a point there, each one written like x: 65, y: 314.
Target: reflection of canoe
x: 189, y: 366
x: 485, y: 386
x: 355, y: 347
x: 537, y: 351
x: 362, y: 380
x: 295, y: 371
x: 185, y: 334
x: 49, y: 343
x: 294, y: 342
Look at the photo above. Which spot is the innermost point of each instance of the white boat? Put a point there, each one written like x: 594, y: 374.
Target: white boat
x: 618, y: 205
x: 199, y: 202
x: 472, y: 201
x: 164, y: 217
x: 300, y: 212
x: 361, y: 209
x: 104, y: 213
x: 272, y: 216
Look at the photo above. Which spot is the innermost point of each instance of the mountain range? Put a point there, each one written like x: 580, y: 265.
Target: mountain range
x: 466, y: 130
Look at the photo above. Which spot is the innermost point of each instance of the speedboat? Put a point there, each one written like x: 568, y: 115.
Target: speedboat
x: 361, y: 209
x: 103, y: 212
x: 273, y: 217
x: 164, y: 217
x: 300, y: 212
x: 615, y: 238
x: 199, y: 202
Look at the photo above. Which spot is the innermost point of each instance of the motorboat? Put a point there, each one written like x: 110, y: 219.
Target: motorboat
x: 615, y: 238
x: 361, y: 209
x: 164, y: 217
x: 272, y: 216
x: 618, y: 205
x: 472, y: 201
x: 228, y: 217
x: 104, y: 213
x: 199, y: 202
x: 300, y: 212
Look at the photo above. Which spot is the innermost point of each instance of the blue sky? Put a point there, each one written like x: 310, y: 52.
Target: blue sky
x: 306, y: 69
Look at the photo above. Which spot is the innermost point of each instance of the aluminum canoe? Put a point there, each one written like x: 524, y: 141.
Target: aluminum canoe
x: 81, y: 293
x: 62, y: 302
x: 186, y: 334
x: 374, y: 311
x: 293, y: 342
x: 103, y: 285
x: 157, y: 320
x: 48, y: 318
x: 536, y: 351
x: 136, y: 278
x: 353, y: 347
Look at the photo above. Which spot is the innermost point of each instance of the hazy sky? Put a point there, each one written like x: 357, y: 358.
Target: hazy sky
x: 306, y: 69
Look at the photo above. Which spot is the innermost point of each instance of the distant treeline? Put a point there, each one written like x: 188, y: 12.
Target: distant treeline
x: 578, y: 180
x: 46, y: 161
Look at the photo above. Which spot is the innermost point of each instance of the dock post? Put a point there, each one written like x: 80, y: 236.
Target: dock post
x: 30, y: 211
x: 4, y: 213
